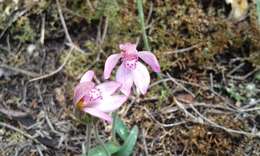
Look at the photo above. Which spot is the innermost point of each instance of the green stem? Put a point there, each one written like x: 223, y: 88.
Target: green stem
x: 258, y: 10
x: 88, y: 135
x: 113, y: 126
x: 141, y: 18
x: 100, y: 141
x: 146, y: 43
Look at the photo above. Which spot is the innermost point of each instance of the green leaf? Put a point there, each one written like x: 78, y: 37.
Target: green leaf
x: 120, y: 128
x: 129, y: 143
x: 100, y: 151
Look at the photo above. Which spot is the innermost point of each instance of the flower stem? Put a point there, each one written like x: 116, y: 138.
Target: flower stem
x: 146, y: 43
x: 258, y: 10
x: 88, y: 136
x: 100, y: 140
x: 113, y: 126
x: 141, y: 18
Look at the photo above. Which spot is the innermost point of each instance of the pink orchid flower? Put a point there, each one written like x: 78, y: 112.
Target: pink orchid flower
x: 97, y: 100
x: 131, y: 70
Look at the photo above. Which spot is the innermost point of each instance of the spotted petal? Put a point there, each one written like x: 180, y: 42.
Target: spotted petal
x: 81, y: 90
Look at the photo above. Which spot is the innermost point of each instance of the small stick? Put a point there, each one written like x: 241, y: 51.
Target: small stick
x: 104, y: 30
x: 16, y: 16
x: 39, y: 150
x: 222, y: 127
x: 55, y: 71
x: 145, y: 144
x: 18, y: 70
x: 21, y: 132
x: 42, y: 30
x: 158, y: 122
x: 63, y: 22
x: 182, y: 50
x: 149, y: 14
x: 178, y: 84
x: 244, y: 77
x: 90, y: 6
x: 4, y: 48
x: 235, y: 69
x: 71, y: 44
x: 182, y: 107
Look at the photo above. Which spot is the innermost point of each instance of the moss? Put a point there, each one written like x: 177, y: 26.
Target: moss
x: 77, y: 63
x: 23, y: 30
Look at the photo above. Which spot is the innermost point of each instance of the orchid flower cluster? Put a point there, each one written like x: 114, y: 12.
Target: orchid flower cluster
x: 99, y: 100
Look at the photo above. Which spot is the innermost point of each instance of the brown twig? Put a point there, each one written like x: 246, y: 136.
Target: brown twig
x: 21, y: 132
x: 180, y: 85
x: 18, y: 70
x: 104, y: 33
x: 63, y: 22
x: 182, y: 107
x: 71, y: 44
x: 55, y: 71
x: 15, y: 17
x: 144, y: 142
x: 182, y: 50
x: 204, y: 120
x: 224, y: 128
x: 42, y: 30
x: 158, y: 122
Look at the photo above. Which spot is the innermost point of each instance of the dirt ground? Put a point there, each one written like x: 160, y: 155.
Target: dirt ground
x: 206, y: 101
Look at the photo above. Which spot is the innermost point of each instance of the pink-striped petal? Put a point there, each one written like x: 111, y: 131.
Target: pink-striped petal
x: 150, y: 59
x: 81, y: 90
x: 108, y: 88
x: 98, y: 114
x: 110, y: 103
x: 110, y: 64
x: 124, y: 76
x: 141, y: 77
x: 88, y: 76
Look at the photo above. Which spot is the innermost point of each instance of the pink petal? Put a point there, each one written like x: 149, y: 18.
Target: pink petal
x: 88, y: 76
x: 150, y: 59
x: 108, y: 88
x: 124, y: 76
x: 127, y: 46
x: 99, y: 114
x: 141, y: 77
x: 110, y: 64
x: 110, y: 103
x: 81, y: 90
